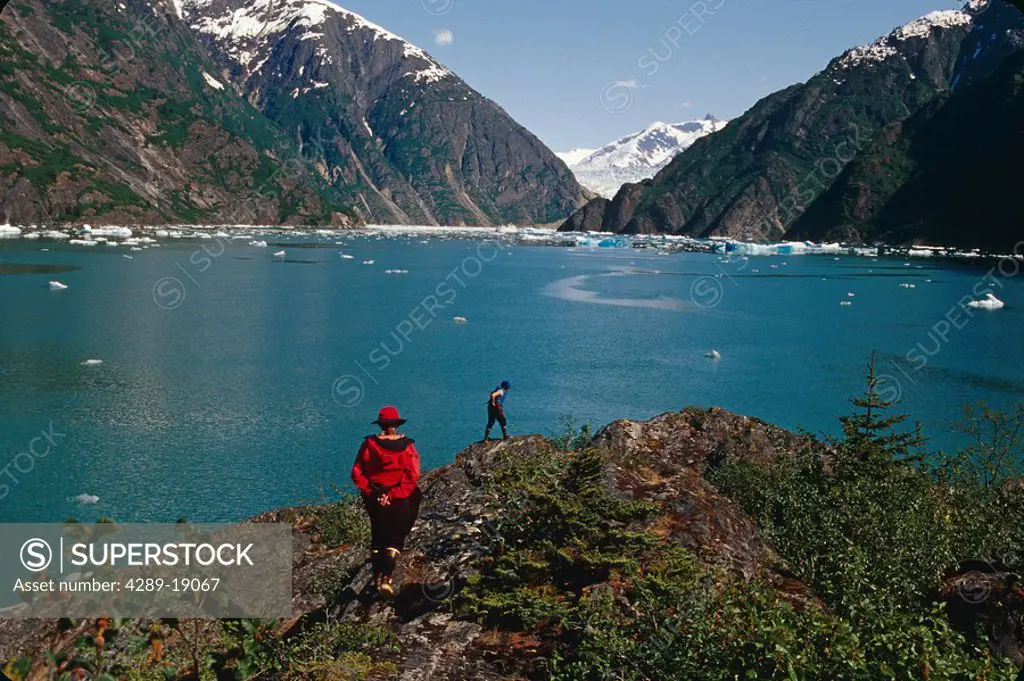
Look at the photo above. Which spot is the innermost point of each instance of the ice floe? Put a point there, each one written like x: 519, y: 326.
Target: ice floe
x: 990, y: 302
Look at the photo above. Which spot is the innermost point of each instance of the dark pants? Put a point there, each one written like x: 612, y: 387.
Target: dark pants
x: 495, y: 414
x: 390, y: 526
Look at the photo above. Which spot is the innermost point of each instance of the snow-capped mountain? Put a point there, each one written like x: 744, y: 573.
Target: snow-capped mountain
x: 888, y: 47
x: 574, y: 156
x: 637, y: 156
x: 402, y: 136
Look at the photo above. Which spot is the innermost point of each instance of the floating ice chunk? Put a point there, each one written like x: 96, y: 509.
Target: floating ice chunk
x: 135, y: 248
x: 126, y: 256
x: 83, y: 242
x: 122, y: 232
x: 905, y: 285
x: 845, y: 303
x: 9, y: 232
x: 396, y: 271
x: 460, y: 320
x: 280, y: 254
x: 57, y: 286
x: 87, y: 499
x: 369, y: 262
x: 714, y: 354
x: 258, y: 244
x: 989, y: 303
x: 92, y: 362
x: 851, y: 295
x: 346, y: 256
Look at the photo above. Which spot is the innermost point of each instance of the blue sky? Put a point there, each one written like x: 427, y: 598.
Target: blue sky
x: 581, y: 73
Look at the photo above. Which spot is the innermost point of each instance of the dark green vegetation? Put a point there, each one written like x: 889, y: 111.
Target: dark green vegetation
x: 401, y: 137
x: 871, y: 559
x: 106, y: 114
x: 871, y: 531
x: 953, y: 164
x: 160, y: 650
x: 128, y: 116
x: 917, y: 147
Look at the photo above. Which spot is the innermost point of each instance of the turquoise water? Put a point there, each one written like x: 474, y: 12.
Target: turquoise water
x: 244, y: 396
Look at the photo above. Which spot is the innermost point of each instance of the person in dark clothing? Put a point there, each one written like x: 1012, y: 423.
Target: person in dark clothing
x: 496, y: 410
x: 386, y: 471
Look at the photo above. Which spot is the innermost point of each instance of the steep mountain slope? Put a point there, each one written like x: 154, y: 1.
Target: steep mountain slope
x: 639, y: 156
x: 398, y: 134
x: 109, y: 111
x: 948, y: 175
x: 754, y: 178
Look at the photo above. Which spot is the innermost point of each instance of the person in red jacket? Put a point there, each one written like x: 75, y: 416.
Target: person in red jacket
x: 386, y: 471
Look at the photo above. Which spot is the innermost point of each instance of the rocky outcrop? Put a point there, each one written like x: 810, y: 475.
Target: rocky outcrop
x: 662, y: 462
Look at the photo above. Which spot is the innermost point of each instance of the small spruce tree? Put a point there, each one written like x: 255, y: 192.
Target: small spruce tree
x: 869, y: 433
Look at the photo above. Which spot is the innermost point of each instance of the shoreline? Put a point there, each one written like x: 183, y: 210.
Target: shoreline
x: 116, y: 235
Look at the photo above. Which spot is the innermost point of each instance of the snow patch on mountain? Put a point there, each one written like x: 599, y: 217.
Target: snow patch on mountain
x: 574, y: 156
x: 638, y: 156
x: 886, y: 47
x: 212, y: 82
x: 247, y: 30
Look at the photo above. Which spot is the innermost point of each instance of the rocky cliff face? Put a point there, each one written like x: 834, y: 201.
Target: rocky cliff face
x: 402, y: 137
x: 111, y: 112
x: 756, y: 177
x: 251, y: 112
x: 946, y: 175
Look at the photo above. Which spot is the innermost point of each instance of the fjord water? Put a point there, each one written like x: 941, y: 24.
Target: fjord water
x: 238, y: 400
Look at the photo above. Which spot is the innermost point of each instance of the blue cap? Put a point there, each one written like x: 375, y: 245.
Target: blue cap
x: 506, y: 385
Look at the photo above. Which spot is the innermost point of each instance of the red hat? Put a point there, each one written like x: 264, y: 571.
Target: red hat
x: 389, y: 416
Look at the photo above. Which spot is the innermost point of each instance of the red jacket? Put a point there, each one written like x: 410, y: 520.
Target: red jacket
x: 391, y: 466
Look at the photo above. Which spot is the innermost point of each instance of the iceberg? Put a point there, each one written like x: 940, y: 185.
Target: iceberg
x: 122, y: 232
x: 989, y: 303
x: 87, y: 499
x: 9, y: 232
x: 57, y: 286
